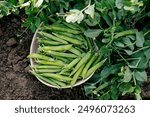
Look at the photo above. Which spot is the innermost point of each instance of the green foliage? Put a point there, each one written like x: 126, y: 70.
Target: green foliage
x: 128, y: 49
x: 119, y: 29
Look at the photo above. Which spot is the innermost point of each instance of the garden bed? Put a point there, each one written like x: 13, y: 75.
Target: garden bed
x: 15, y: 80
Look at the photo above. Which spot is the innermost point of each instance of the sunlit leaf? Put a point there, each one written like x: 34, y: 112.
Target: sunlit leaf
x: 127, y: 75
x: 90, y: 10
x: 119, y: 4
x: 139, y: 39
x: 92, y: 33
x: 140, y: 76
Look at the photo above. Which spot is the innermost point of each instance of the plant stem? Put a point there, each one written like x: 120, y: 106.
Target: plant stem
x: 134, y: 80
x: 146, y: 33
x: 140, y: 49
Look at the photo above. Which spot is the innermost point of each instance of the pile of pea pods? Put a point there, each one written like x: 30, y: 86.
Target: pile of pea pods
x: 64, y: 55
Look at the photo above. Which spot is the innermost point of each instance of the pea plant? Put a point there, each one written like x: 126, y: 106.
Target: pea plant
x: 117, y: 31
x: 124, y: 41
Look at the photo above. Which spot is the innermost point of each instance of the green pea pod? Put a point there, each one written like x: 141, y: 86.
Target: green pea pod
x: 65, y: 60
x: 61, y: 84
x: 78, y: 37
x: 75, y: 51
x: 57, y: 48
x: 61, y: 28
x: 67, y: 55
x: 87, y: 66
x: 52, y: 37
x: 76, y: 76
x: 69, y: 25
x: 40, y: 56
x: 79, y: 26
x: 47, y: 70
x: 82, y: 62
x: 71, y: 65
x: 48, y: 42
x: 124, y: 33
x: 69, y: 39
x: 55, y: 62
x: 94, y: 68
x: 89, y: 43
x: 57, y: 76
x: 48, y: 80
x: 44, y: 67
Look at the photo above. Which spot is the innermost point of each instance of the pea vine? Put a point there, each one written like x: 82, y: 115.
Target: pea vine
x: 119, y: 29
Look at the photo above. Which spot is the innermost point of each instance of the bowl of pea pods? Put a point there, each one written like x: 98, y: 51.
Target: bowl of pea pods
x: 61, y: 56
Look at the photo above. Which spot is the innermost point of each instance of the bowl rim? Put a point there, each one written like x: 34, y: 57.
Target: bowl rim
x: 33, y: 50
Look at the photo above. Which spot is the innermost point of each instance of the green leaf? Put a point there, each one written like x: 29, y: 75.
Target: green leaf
x: 105, y: 72
x: 139, y: 39
x: 119, y: 44
x: 90, y: 10
x: 140, y: 76
x: 21, y: 1
x: 147, y: 54
x: 114, y: 92
x: 127, y: 75
x: 137, y: 89
x: 37, y: 21
x: 95, y: 78
x: 126, y: 88
x: 93, y: 22
x: 105, y: 96
x: 128, y: 43
x: 92, y: 33
x: 88, y: 89
x: 33, y: 27
x: 129, y: 52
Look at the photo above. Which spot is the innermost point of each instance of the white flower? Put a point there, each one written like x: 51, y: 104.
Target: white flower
x: 39, y: 3
x: 25, y: 4
x: 74, y: 16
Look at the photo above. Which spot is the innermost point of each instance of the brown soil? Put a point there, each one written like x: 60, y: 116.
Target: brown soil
x: 15, y: 80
